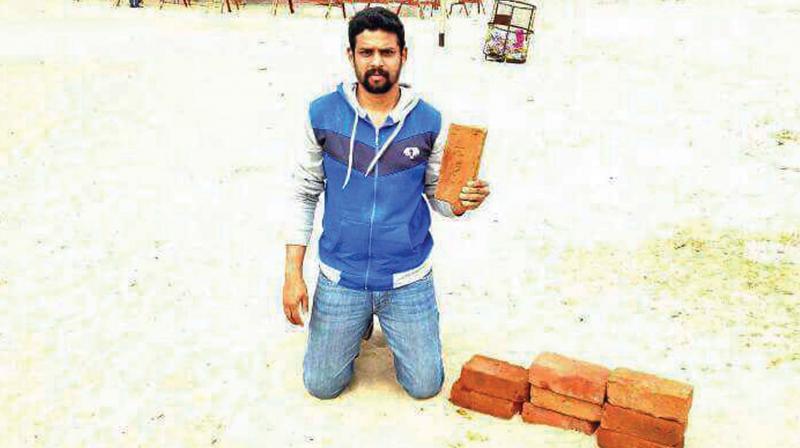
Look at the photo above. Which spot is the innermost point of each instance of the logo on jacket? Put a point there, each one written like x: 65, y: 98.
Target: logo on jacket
x: 411, y: 152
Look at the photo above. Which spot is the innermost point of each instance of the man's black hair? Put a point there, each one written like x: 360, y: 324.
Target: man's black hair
x: 376, y: 18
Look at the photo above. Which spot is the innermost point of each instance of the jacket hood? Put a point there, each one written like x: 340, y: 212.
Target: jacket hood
x: 408, y: 101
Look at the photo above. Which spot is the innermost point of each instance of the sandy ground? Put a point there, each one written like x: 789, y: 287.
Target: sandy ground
x: 646, y: 175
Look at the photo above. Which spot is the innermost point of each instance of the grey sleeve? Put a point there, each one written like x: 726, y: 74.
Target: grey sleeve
x: 306, y: 183
x: 432, y: 174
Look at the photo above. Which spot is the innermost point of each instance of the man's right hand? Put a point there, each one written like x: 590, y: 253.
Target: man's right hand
x: 295, y: 295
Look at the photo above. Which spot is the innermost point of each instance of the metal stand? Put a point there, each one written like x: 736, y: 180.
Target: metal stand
x: 228, y: 4
x: 509, y: 32
x: 186, y: 3
x: 464, y: 4
x: 432, y: 5
x: 275, y: 7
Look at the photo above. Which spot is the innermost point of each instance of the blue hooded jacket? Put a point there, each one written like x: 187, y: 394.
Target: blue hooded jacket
x: 375, y: 179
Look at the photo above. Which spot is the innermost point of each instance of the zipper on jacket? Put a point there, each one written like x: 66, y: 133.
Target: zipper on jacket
x: 372, y: 216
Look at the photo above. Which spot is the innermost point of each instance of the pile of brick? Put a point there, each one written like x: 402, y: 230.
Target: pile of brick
x: 644, y: 411
x: 491, y: 386
x: 626, y: 409
x: 566, y: 393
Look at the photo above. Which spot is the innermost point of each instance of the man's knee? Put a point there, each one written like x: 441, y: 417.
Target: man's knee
x: 424, y: 384
x: 424, y: 390
x: 324, y: 386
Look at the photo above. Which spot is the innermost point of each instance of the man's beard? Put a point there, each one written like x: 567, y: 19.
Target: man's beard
x: 381, y: 88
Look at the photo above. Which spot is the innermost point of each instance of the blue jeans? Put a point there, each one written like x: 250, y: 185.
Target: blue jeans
x: 340, y: 316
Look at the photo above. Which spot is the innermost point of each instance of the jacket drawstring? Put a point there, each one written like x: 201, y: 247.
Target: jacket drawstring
x: 352, y: 144
x: 377, y: 156
x: 385, y: 147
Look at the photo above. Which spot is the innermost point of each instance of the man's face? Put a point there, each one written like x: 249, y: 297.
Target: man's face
x: 377, y: 60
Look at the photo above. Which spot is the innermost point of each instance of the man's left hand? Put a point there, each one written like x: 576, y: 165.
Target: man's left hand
x: 473, y: 194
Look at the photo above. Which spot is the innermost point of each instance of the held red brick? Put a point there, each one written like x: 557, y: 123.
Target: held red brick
x: 460, y: 162
x: 465, y: 398
x: 611, y: 439
x: 643, y: 426
x: 563, y: 404
x: 570, y: 377
x: 540, y: 416
x: 496, y: 378
x: 650, y: 394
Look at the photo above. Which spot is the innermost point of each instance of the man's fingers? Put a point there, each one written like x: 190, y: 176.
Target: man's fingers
x: 471, y: 197
x: 472, y: 190
x: 287, y: 311
x: 293, y: 314
x: 296, y: 318
x: 470, y: 205
x: 477, y: 183
x: 304, y: 303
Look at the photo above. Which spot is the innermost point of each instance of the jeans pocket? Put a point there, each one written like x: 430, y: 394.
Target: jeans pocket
x: 416, y: 299
x: 323, y: 280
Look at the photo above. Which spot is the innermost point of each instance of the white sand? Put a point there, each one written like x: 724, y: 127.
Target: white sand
x: 643, y: 215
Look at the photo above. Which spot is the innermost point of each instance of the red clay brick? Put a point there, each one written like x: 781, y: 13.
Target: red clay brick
x: 563, y: 404
x: 460, y: 162
x: 643, y: 426
x: 461, y: 396
x: 540, y: 416
x: 611, y: 439
x: 496, y: 378
x: 650, y: 394
x: 570, y: 377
